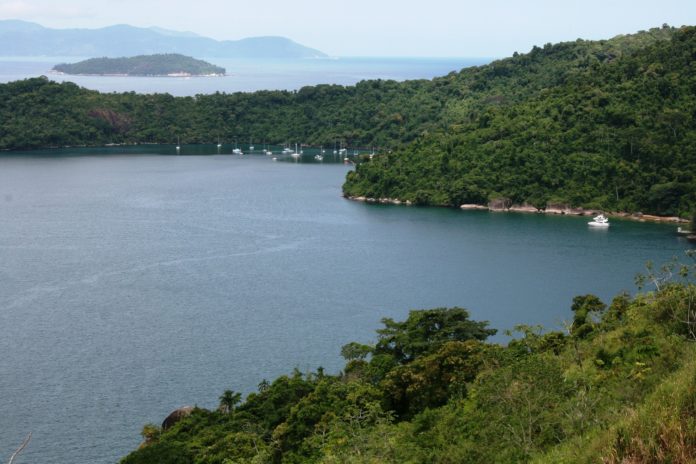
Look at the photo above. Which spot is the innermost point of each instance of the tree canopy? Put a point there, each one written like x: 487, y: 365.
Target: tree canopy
x: 432, y: 390
x: 601, y: 124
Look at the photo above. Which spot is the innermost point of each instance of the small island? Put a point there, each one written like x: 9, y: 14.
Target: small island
x: 169, y: 65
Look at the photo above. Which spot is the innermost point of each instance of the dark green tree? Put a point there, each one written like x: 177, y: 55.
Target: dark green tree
x: 228, y: 401
x: 425, y: 331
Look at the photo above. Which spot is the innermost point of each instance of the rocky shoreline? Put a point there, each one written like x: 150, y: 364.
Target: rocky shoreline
x: 505, y: 206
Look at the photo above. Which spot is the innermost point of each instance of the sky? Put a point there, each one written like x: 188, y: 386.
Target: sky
x: 437, y: 28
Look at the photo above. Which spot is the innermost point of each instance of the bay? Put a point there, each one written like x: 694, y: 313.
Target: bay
x: 133, y: 282
x: 247, y: 75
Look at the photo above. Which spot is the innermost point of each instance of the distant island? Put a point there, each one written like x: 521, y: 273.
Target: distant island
x: 170, y: 64
x: 22, y: 38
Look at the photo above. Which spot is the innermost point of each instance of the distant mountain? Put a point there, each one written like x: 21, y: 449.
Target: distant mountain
x: 21, y: 38
x: 170, y: 64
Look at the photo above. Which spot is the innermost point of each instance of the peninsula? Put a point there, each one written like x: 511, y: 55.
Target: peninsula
x: 170, y: 64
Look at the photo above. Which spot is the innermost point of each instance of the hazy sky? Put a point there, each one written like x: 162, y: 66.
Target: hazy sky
x: 373, y: 27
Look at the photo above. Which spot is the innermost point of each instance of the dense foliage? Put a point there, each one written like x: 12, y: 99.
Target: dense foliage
x: 605, y: 129
x: 604, y: 124
x: 430, y: 390
x: 142, y: 65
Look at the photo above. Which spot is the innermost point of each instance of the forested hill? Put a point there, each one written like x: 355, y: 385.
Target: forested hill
x: 143, y: 65
x: 613, y: 131
x: 607, y: 124
x: 618, y: 386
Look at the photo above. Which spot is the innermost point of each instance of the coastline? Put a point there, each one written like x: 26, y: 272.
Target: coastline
x: 500, y: 206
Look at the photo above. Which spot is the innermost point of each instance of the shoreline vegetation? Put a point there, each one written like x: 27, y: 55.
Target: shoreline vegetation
x: 606, y: 125
x: 502, y: 206
x: 432, y: 389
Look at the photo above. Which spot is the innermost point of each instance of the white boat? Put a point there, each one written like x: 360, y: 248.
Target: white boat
x: 269, y: 152
x: 237, y: 150
x: 599, y: 221
x: 295, y: 154
x: 681, y: 231
x: 319, y: 157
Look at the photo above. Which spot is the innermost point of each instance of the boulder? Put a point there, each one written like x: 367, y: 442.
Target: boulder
x: 473, y: 206
x: 176, y: 416
x: 524, y: 208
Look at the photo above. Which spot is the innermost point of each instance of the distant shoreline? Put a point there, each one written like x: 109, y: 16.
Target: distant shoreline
x: 173, y: 75
x: 558, y: 210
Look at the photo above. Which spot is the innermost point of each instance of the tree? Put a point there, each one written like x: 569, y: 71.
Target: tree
x: 228, y: 401
x: 150, y: 433
x: 426, y: 331
x: 354, y: 350
x: 431, y: 380
x: 584, y: 308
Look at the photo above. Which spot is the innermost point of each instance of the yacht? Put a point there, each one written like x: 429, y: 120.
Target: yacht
x: 295, y: 154
x: 599, y: 221
x: 236, y: 150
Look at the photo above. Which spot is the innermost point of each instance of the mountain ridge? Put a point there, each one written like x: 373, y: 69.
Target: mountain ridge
x: 23, y: 38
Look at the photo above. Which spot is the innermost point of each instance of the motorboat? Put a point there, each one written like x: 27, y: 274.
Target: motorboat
x: 599, y: 221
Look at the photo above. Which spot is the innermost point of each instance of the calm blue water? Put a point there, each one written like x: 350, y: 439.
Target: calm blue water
x: 248, y: 75
x: 132, y: 284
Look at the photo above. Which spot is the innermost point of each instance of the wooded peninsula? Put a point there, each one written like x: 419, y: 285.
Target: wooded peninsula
x: 598, y: 124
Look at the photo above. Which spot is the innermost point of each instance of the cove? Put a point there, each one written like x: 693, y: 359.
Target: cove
x: 132, y: 283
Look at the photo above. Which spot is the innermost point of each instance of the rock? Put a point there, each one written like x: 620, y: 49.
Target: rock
x: 176, y: 416
x: 499, y: 204
x: 525, y: 208
x: 469, y: 206
x: 560, y: 208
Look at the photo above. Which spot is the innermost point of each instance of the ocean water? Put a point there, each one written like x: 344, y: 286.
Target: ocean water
x: 133, y: 282
x: 248, y: 75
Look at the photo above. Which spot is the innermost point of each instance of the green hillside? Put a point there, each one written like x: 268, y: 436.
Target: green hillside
x: 618, y: 385
x: 143, y: 65
x: 601, y: 124
x: 614, y: 131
